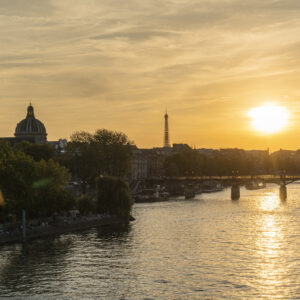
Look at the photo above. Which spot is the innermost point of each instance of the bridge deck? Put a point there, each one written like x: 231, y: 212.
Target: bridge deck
x: 267, y: 178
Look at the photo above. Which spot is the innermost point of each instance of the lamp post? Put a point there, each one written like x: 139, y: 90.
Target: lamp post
x: 23, y: 225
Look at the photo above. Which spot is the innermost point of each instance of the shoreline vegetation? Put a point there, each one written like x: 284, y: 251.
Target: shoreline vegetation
x: 12, y: 232
x: 113, y: 205
x: 35, y: 183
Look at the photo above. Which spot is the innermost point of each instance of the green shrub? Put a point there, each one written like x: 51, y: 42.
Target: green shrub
x: 85, y: 205
x: 113, y: 197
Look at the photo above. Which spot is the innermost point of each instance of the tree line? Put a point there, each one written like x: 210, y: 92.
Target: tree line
x: 192, y: 163
x: 35, y: 178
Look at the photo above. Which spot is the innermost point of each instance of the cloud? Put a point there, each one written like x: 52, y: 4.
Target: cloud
x: 134, y: 34
x: 26, y: 8
x: 131, y: 59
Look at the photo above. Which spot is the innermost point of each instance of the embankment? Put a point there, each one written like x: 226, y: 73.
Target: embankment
x: 67, y: 225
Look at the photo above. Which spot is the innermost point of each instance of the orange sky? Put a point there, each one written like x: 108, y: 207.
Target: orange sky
x: 88, y: 64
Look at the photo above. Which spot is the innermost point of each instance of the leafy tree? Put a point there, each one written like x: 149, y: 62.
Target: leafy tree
x: 105, y: 152
x: 85, y: 204
x: 17, y: 173
x: 113, y: 197
x: 37, y: 187
x: 49, y: 189
x: 191, y: 162
x: 285, y: 161
x: 187, y: 163
x: 36, y: 151
x: 113, y: 150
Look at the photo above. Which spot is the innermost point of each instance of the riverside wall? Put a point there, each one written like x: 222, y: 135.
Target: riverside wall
x: 64, y: 226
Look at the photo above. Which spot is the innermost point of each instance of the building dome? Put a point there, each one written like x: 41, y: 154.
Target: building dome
x: 31, y: 128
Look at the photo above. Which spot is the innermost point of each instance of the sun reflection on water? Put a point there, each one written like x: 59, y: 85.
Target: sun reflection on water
x: 269, y: 201
x: 270, y: 245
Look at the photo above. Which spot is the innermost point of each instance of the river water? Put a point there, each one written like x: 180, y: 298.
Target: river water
x: 206, y: 248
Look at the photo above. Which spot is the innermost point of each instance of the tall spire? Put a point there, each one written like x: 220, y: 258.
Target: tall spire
x: 166, y: 135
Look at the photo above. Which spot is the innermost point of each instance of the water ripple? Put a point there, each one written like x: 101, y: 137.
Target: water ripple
x: 207, y: 248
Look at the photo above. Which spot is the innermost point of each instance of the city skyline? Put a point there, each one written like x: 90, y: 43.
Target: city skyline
x: 89, y: 65
x: 166, y: 139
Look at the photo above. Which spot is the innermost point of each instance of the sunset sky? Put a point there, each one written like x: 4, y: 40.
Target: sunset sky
x: 115, y: 64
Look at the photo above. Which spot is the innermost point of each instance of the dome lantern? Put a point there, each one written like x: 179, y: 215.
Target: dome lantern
x: 30, y: 111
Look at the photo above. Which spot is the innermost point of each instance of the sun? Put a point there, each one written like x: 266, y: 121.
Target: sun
x: 269, y: 118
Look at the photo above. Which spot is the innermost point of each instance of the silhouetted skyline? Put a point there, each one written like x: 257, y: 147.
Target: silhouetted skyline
x: 97, y: 64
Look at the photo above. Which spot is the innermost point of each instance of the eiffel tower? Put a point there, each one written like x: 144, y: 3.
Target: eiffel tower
x: 166, y: 136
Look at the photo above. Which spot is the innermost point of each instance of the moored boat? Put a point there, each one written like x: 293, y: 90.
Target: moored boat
x: 189, y: 192
x: 151, y: 195
x: 255, y: 185
x: 212, y: 187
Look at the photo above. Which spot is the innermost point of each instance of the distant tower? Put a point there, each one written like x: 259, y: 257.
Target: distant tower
x: 166, y: 136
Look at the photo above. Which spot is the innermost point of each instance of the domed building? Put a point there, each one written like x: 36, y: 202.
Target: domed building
x: 31, y: 129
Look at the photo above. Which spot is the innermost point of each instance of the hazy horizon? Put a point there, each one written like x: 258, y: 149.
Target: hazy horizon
x: 90, y: 64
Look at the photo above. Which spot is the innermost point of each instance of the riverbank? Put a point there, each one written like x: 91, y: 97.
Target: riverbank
x: 66, y: 225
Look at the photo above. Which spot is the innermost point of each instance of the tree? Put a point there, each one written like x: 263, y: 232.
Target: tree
x: 36, y: 151
x: 85, y: 204
x: 113, y: 150
x: 186, y: 163
x: 105, y: 152
x: 113, y: 197
x: 17, y: 173
x: 37, y: 187
x: 191, y: 162
x: 49, y: 188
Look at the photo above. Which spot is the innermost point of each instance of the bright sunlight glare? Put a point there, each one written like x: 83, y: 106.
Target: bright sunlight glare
x: 269, y: 118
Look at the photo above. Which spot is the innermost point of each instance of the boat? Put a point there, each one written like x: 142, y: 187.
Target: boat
x: 198, y: 189
x: 255, y: 185
x: 147, y: 195
x: 212, y: 187
x: 189, y: 192
x: 151, y: 195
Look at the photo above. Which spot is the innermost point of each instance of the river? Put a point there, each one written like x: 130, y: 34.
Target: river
x: 206, y: 248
